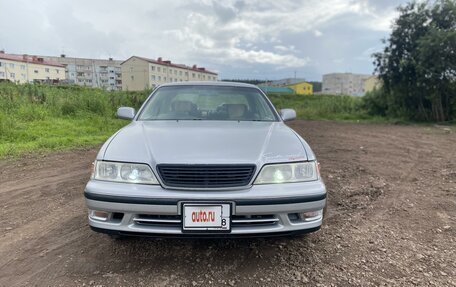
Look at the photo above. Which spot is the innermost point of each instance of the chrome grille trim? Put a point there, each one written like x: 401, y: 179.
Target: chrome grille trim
x: 255, y: 220
x: 148, y: 219
x: 141, y: 220
x: 244, y: 220
x: 206, y: 176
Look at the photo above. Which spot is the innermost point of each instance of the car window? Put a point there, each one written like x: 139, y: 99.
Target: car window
x: 207, y: 103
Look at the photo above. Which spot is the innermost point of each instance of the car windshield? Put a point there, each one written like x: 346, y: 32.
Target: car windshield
x: 208, y: 103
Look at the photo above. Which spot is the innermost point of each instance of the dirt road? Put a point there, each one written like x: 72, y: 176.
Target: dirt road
x: 391, y: 222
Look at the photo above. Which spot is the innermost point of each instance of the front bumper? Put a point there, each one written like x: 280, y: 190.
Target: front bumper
x: 260, y: 210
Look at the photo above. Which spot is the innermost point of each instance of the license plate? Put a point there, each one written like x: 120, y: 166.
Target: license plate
x: 206, y: 217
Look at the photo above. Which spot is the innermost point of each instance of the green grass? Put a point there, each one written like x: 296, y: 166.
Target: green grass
x: 40, y: 118
x: 58, y: 134
x: 37, y: 118
x: 325, y: 107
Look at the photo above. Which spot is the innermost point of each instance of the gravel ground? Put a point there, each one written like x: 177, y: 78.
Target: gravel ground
x: 391, y: 222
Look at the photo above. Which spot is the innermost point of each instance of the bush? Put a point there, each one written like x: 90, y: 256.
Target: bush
x: 374, y: 103
x: 68, y: 108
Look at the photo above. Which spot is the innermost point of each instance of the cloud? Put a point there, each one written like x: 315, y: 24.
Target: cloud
x: 266, y: 38
x: 317, y: 33
x: 265, y: 57
x: 282, y: 48
x: 366, y: 55
x: 228, y: 31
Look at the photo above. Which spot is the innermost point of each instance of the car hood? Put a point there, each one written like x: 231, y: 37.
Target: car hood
x: 204, y: 142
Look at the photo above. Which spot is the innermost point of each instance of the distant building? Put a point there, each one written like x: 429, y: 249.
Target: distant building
x: 139, y: 73
x: 285, y: 82
x: 344, y: 84
x: 276, y: 90
x: 302, y: 88
x: 298, y: 86
x: 372, y: 83
x: 28, y: 69
x: 96, y: 73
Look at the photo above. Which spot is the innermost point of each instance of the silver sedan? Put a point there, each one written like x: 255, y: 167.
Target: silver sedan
x: 206, y: 159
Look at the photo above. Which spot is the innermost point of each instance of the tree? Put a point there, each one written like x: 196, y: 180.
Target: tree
x: 316, y: 86
x: 418, y: 65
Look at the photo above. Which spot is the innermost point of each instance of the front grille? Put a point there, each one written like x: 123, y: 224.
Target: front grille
x: 206, y: 176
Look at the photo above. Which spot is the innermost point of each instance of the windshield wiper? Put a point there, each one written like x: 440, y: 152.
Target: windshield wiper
x: 193, y: 119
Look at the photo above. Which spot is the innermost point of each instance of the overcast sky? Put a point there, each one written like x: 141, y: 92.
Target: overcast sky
x: 265, y: 39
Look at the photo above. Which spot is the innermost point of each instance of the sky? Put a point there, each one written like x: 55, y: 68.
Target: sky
x: 239, y: 39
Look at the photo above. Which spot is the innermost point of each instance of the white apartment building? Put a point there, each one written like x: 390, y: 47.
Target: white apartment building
x: 96, y: 73
x: 139, y: 73
x: 344, y: 84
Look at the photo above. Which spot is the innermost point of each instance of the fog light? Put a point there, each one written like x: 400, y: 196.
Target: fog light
x: 311, y: 215
x: 99, y: 215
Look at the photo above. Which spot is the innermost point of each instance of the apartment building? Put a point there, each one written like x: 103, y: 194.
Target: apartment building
x: 372, y: 83
x: 28, y: 69
x: 97, y: 73
x: 139, y: 73
x: 344, y: 84
x: 299, y: 86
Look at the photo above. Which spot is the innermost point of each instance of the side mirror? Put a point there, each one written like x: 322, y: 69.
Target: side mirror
x: 288, y: 114
x: 125, y: 113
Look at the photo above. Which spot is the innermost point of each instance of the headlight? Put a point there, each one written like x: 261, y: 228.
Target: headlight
x: 288, y: 172
x: 124, y: 172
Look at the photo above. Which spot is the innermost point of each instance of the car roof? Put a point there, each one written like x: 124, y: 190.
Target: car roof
x: 210, y: 83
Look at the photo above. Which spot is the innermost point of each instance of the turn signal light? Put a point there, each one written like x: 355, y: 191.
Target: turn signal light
x: 311, y: 215
x: 99, y: 215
